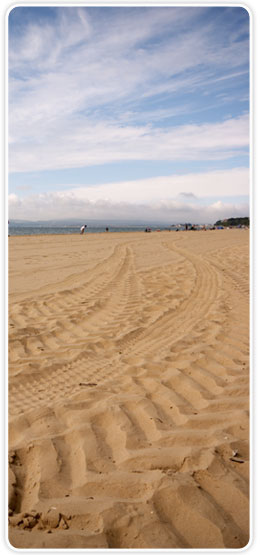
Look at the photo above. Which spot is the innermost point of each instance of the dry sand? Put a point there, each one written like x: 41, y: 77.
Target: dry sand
x: 129, y: 390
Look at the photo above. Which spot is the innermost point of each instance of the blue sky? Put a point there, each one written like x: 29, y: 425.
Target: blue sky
x: 138, y: 112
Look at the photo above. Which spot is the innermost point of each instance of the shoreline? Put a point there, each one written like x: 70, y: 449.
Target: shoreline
x: 125, y: 231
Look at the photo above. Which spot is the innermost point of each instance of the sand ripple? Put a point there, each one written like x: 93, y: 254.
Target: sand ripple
x: 129, y: 390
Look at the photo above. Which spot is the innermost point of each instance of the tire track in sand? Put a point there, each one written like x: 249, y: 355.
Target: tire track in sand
x: 143, y: 454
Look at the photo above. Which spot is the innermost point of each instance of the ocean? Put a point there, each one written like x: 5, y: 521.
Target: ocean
x: 16, y: 229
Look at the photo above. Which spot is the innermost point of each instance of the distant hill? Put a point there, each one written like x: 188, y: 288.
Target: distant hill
x: 89, y: 221
x: 231, y: 222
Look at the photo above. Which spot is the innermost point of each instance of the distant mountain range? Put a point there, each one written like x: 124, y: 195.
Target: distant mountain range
x: 131, y: 223
x: 72, y: 223
x: 76, y: 222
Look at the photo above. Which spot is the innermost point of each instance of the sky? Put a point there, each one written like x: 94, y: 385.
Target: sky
x: 132, y: 113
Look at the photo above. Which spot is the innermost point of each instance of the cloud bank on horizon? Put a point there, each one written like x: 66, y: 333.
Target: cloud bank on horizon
x: 128, y: 112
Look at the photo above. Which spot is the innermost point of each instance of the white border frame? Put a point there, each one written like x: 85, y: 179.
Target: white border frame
x: 253, y: 8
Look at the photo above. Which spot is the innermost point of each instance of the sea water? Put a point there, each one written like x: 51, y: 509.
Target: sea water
x: 15, y: 229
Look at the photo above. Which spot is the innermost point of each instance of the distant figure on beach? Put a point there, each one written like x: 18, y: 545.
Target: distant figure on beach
x: 106, y: 228
x: 82, y: 229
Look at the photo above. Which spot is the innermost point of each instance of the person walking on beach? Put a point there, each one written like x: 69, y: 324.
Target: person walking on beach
x: 82, y: 229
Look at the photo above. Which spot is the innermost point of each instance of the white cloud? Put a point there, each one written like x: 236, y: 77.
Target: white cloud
x: 155, y: 199
x: 52, y: 207
x: 13, y: 200
x: 84, y: 143
x: 72, y: 82
x: 223, y: 182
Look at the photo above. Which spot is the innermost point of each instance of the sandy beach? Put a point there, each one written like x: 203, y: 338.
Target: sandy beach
x: 129, y: 390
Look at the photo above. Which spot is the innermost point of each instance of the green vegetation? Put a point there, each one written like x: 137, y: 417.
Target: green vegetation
x: 230, y: 222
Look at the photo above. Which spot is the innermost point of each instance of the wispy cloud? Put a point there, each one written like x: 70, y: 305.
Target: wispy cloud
x: 68, y: 75
x: 55, y: 206
x: 84, y: 144
x: 159, y: 198
x: 93, y: 86
x: 207, y: 184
